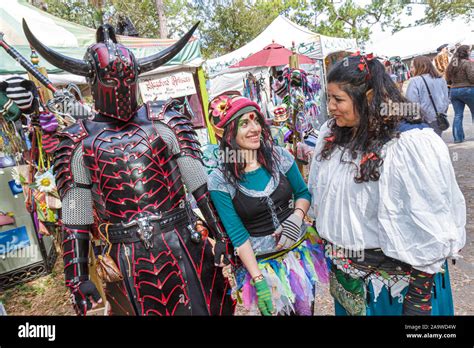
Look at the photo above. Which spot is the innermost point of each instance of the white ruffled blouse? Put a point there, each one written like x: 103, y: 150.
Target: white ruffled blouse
x: 415, y: 212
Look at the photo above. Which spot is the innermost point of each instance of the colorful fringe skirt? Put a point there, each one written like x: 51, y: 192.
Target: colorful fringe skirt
x: 292, y: 275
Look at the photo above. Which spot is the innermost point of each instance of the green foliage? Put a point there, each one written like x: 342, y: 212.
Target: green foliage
x: 229, y: 24
x: 351, y: 20
x: 142, y: 13
x: 438, y: 10
x: 75, y: 11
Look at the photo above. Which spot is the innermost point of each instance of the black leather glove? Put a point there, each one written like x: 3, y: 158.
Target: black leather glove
x: 222, y: 252
x: 223, y: 246
x: 76, y: 268
x: 81, y: 295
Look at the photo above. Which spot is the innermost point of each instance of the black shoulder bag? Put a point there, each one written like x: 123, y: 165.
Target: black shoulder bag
x: 441, y: 118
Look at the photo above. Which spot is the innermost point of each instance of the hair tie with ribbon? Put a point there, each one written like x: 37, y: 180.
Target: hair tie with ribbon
x: 363, y: 65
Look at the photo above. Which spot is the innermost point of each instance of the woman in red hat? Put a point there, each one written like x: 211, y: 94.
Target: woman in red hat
x: 262, y: 200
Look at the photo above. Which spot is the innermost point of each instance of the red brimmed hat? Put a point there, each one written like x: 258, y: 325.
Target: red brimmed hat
x: 228, y: 106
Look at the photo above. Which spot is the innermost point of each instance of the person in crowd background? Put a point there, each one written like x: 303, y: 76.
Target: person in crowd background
x: 428, y: 81
x: 441, y: 61
x: 460, y: 76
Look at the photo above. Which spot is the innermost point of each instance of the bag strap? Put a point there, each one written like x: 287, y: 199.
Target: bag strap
x: 429, y: 93
x: 105, y: 238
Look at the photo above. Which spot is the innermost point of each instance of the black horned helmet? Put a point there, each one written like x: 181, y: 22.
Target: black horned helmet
x: 111, y: 69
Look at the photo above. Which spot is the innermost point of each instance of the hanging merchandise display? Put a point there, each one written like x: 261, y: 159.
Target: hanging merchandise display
x: 298, y: 97
x: 252, y: 88
x: 8, y: 109
x: 27, y: 146
x: 22, y: 92
x: 279, y: 128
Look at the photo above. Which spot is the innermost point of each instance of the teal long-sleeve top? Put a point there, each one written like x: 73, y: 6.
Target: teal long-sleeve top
x: 256, y: 180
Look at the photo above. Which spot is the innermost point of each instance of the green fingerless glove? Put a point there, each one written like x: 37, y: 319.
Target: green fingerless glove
x: 264, y: 296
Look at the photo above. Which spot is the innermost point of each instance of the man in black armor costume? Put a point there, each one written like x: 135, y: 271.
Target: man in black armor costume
x: 131, y: 164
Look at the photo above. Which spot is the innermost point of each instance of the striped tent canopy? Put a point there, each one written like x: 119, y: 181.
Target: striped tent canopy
x: 72, y: 40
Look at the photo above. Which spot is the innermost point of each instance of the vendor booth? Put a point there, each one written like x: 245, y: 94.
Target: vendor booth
x: 286, y: 33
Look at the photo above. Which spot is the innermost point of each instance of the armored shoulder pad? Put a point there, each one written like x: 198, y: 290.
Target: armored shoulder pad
x: 178, y: 117
x: 69, y: 139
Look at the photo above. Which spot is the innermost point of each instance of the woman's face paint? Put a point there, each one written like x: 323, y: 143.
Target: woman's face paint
x: 248, y: 132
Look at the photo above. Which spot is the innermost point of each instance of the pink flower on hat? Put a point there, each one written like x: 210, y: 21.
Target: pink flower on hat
x: 221, y: 105
x: 225, y: 108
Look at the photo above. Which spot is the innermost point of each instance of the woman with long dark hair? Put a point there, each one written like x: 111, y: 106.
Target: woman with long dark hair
x: 385, y: 198
x: 460, y: 77
x: 262, y: 200
x: 425, y: 81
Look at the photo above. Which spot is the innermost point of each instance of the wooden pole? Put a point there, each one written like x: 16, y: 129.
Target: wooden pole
x: 294, y: 64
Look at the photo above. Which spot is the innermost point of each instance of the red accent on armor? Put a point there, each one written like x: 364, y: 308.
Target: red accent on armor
x: 127, y: 183
x: 204, y: 242
x: 181, y: 124
x: 115, y: 85
x: 154, y: 311
x: 199, y: 270
x: 212, y: 286
x: 224, y: 295
x: 165, y: 259
x: 201, y: 197
x: 70, y: 138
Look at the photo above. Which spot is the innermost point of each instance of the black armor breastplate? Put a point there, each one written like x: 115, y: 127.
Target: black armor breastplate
x: 132, y: 169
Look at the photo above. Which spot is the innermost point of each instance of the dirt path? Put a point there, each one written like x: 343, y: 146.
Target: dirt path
x: 462, y: 274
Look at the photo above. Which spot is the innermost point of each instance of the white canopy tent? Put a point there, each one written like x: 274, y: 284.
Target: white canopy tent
x: 423, y: 39
x: 281, y: 31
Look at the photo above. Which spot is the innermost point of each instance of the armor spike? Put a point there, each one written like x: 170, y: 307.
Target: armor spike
x: 72, y: 65
x: 158, y: 59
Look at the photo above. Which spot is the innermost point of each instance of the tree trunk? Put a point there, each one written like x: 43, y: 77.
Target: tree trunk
x: 162, y: 19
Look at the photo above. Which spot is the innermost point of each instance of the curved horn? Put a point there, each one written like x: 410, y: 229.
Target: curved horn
x: 160, y: 58
x: 72, y: 65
